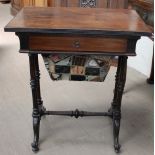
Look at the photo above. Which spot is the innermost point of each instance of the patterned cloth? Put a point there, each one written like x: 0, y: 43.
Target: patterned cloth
x: 77, y: 67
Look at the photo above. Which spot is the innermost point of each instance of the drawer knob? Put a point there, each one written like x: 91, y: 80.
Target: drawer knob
x: 77, y: 44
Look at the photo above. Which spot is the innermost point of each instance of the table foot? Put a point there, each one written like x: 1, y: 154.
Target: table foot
x: 117, y: 148
x: 116, y: 129
x: 35, y: 147
x: 36, y: 126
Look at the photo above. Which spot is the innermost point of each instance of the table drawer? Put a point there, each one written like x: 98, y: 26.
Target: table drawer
x: 75, y: 44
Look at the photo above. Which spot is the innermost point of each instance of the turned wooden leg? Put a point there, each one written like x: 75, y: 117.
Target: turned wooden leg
x: 33, y: 59
x: 39, y: 99
x: 116, y: 104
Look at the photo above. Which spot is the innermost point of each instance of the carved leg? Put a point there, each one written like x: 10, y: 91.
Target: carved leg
x: 116, y: 104
x: 39, y: 100
x: 33, y: 58
x: 116, y: 128
x: 36, y: 126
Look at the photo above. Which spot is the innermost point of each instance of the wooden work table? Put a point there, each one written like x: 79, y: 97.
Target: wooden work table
x: 81, y: 31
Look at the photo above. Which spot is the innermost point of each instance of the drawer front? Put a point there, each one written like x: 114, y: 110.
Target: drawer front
x: 77, y: 44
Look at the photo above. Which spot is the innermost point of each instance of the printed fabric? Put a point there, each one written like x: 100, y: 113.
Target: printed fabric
x: 77, y: 67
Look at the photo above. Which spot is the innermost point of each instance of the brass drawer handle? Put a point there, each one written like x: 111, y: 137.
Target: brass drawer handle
x: 76, y: 44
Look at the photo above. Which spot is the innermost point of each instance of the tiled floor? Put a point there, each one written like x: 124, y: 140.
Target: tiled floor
x: 64, y: 135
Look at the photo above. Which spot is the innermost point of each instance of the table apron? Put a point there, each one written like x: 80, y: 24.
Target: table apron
x: 106, y: 45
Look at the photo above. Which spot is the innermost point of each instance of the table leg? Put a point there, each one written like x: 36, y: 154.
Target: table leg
x: 116, y: 104
x: 37, y: 102
x: 42, y: 109
x: 150, y: 80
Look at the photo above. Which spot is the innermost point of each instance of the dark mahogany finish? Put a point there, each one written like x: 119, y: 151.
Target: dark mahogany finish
x: 78, y: 20
x: 76, y: 44
x: 78, y: 31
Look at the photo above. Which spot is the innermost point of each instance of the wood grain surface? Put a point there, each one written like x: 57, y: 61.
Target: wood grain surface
x: 71, y: 44
x: 76, y: 20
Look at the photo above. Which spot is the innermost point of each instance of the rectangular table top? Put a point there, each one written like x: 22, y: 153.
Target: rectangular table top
x: 95, y: 21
